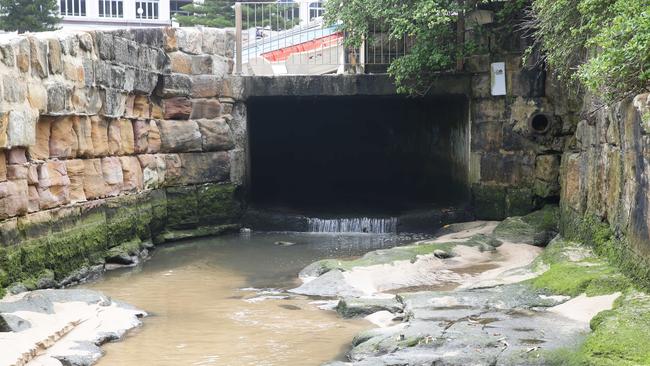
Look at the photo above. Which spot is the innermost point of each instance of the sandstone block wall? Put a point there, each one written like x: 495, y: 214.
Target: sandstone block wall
x: 513, y: 167
x: 605, y: 185
x: 102, y: 128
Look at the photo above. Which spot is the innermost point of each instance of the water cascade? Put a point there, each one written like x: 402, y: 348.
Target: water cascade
x: 354, y: 225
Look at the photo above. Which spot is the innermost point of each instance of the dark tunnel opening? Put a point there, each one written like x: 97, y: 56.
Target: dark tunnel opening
x: 358, y: 155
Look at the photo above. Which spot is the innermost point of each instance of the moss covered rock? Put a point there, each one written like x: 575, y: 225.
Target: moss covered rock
x: 537, y: 228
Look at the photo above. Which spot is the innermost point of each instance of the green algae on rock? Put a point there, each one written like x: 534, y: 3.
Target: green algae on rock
x: 537, y: 228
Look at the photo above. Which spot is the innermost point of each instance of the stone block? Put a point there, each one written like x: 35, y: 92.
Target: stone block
x: 179, y: 136
x: 17, y: 155
x: 76, y: 72
x: 206, y: 86
x: 4, y: 126
x: 487, y: 136
x: 132, y: 174
x: 99, y: 135
x: 21, y: 129
x: 138, y: 106
x: 215, y: 135
x: 13, y: 198
x: 14, y: 87
x: 489, y: 202
x: 105, y: 45
x: 54, y: 56
x: 526, y: 83
x: 83, y: 130
x: 93, y: 179
x: 86, y: 101
x: 573, y: 192
x: 511, y: 169
x: 481, y: 86
x: 519, y: 202
x: 201, y: 65
x: 175, y: 85
x: 214, y: 41
x: 114, y: 103
x: 76, y: 170
x: 23, y: 55
x: 17, y: 172
x: 53, y: 185
x: 8, y: 55
x: 113, y: 176
x: 145, y: 81
x: 547, y: 167
x: 58, y: 97
x: 182, y: 207
x: 221, y: 66
x: 153, y: 170
x: 63, y: 139
x: 33, y: 200
x: 121, y: 137
x: 169, y: 39
x: 38, y: 53
x: 180, y: 62
x: 3, y: 166
x: 177, y: 108
x: 189, y: 40
x: 205, y: 109
x: 477, y: 63
x: 173, y: 169
x: 41, y: 150
x: 493, y: 109
x: 198, y: 168
x: 37, y: 96
x: 32, y: 174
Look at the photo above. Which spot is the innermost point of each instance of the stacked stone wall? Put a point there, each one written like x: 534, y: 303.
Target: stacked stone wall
x: 605, y: 185
x: 111, y: 137
x: 514, y: 168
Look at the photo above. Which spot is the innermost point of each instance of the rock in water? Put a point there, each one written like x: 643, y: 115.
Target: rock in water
x: 284, y: 243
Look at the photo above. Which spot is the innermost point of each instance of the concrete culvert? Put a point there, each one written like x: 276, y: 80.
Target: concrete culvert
x: 540, y: 123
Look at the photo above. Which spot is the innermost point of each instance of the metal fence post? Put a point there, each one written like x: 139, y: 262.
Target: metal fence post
x: 238, y: 39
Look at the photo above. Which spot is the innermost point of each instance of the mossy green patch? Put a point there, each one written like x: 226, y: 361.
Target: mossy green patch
x: 536, y: 228
x: 574, y: 278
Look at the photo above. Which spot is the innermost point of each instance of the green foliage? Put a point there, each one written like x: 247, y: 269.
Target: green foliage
x: 29, y: 15
x: 602, y: 44
x: 210, y: 13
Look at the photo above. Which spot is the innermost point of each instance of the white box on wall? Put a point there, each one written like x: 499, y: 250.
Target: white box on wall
x: 498, y: 78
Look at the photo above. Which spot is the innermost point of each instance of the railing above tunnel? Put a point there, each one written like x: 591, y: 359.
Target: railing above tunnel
x: 291, y: 38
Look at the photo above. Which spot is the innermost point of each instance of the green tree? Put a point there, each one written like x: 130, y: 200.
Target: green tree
x: 210, y: 13
x: 601, y: 44
x: 29, y: 15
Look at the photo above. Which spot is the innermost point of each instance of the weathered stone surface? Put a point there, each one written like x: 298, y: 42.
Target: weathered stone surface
x: 14, y: 88
x: 215, y: 135
x: 205, y: 108
x: 17, y: 172
x: 63, y: 139
x: 206, y: 86
x: 3, y: 166
x: 99, y: 135
x: 86, y: 101
x: 204, y: 167
x: 75, y: 169
x: 177, y: 108
x: 58, y: 97
x: 132, y: 174
x: 93, y: 179
x: 22, y: 55
x: 221, y: 66
x: 173, y: 169
x: 16, y: 156
x: 180, y: 62
x: 179, y: 136
x: 83, y: 130
x: 201, y: 65
x: 41, y: 150
x: 169, y: 39
x: 4, y: 125
x: 32, y: 174
x: 54, y: 56
x: 121, y: 137
x: 13, y: 198
x: 153, y: 170
x: 37, y: 96
x: 113, y: 176
x: 38, y: 49
x: 138, y: 106
x: 53, y: 185
x: 189, y: 40
x: 513, y: 169
x: 114, y: 103
x: 33, y: 200
x: 175, y: 85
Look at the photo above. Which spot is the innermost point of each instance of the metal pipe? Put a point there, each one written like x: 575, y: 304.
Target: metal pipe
x: 238, y: 39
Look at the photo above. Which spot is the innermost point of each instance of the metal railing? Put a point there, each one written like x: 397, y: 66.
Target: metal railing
x: 279, y: 37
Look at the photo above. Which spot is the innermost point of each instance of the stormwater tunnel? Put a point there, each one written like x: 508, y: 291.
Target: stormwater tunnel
x: 357, y: 156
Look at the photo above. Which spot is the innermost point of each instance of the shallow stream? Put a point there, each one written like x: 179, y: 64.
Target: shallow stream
x: 221, y: 301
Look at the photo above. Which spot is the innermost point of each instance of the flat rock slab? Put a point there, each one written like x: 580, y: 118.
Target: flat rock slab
x: 62, y: 327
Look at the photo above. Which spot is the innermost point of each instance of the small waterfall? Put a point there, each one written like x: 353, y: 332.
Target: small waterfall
x: 354, y: 225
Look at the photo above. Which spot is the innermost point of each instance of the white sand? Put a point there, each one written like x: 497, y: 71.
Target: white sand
x: 583, y: 308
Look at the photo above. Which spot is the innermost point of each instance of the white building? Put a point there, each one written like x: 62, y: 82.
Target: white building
x: 85, y: 14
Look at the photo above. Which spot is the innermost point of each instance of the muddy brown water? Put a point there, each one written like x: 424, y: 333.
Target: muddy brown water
x: 222, y: 301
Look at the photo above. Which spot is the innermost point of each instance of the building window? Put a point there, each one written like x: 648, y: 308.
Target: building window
x: 149, y: 9
x: 175, y: 7
x: 111, y: 8
x: 75, y: 8
x: 316, y: 9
